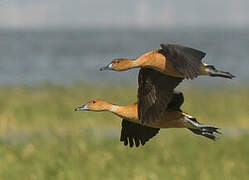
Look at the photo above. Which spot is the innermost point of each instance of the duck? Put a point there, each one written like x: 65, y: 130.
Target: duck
x: 134, y: 132
x: 171, y: 59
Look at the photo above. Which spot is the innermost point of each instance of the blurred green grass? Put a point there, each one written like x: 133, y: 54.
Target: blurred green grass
x: 41, y: 137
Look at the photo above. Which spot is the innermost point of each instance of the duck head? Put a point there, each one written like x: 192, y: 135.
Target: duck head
x: 94, y: 105
x: 121, y: 64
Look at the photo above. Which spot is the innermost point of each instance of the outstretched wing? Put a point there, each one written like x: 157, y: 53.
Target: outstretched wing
x: 186, y: 60
x: 154, y: 93
x: 133, y: 133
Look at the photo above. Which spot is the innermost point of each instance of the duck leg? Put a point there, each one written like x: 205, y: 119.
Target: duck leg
x: 201, y: 129
x: 212, y: 71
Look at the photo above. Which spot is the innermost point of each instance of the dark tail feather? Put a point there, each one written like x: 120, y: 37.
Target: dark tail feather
x: 216, y: 73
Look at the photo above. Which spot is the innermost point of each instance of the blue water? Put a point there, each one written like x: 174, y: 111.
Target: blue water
x: 67, y: 56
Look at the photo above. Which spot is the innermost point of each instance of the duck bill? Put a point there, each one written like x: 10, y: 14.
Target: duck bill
x: 83, y: 108
x: 108, y: 67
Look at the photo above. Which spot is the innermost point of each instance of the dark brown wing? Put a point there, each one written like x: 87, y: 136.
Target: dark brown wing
x: 133, y: 133
x: 154, y: 93
x: 176, y: 101
x: 186, y: 60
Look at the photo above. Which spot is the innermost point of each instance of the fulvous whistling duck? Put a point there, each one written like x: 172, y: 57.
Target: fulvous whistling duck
x: 133, y: 131
x: 173, y: 60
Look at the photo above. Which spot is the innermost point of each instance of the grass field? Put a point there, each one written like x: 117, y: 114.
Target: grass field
x: 41, y: 137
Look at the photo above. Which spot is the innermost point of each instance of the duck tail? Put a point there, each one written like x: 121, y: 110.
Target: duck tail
x: 213, y: 72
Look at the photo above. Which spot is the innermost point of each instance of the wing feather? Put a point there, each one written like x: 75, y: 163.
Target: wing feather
x: 154, y: 93
x: 186, y: 60
x: 133, y: 133
x: 136, y: 133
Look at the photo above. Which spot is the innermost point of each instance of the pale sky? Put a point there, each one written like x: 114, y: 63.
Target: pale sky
x: 120, y: 13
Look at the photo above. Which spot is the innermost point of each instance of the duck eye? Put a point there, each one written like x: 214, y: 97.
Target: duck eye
x: 94, y: 102
x: 117, y: 61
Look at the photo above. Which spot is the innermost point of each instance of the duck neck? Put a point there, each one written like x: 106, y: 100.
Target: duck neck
x: 139, y: 62
x: 130, y: 63
x: 145, y: 60
x: 127, y: 112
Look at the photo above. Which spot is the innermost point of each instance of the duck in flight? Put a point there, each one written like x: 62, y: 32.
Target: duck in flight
x: 173, y: 60
x: 134, y: 132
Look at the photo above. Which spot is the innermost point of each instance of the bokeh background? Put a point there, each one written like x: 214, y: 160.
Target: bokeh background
x: 50, y: 55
